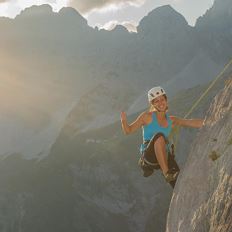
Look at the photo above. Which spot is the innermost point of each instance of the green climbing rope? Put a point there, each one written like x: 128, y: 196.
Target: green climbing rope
x: 176, y: 129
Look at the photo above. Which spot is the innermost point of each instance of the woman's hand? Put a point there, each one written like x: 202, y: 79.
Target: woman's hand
x: 125, y: 126
x: 123, y: 116
x: 128, y: 129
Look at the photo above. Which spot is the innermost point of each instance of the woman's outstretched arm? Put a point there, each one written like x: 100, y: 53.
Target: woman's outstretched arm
x: 196, y: 123
x: 128, y: 129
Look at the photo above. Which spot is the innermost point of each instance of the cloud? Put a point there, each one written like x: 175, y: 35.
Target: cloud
x: 109, y: 25
x: 131, y: 26
x: 89, y: 5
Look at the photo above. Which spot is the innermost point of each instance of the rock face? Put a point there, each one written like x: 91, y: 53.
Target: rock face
x: 202, y: 199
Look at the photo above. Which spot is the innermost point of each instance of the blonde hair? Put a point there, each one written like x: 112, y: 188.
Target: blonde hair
x: 151, y: 108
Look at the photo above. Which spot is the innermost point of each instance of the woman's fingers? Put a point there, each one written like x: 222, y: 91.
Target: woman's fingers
x: 123, y: 115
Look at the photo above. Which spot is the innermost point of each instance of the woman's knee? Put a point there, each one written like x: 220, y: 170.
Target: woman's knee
x: 160, y: 140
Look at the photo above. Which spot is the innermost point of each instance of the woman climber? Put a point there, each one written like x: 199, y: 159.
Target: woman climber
x: 156, y: 125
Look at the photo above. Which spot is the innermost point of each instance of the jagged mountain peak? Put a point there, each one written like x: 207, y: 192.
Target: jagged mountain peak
x: 163, y: 17
x: 72, y: 14
x: 163, y: 10
x: 217, y: 15
x: 120, y: 29
x: 41, y: 11
x: 35, y: 11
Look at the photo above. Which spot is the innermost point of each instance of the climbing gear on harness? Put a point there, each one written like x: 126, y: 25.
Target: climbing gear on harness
x: 149, y: 165
x: 155, y: 92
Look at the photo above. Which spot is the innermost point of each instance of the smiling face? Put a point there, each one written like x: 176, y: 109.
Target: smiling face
x: 160, y: 103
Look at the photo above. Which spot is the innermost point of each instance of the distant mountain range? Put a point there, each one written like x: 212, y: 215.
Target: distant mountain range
x: 65, y: 164
x: 49, y: 61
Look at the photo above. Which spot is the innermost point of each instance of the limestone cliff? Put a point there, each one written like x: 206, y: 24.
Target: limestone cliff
x: 202, y: 199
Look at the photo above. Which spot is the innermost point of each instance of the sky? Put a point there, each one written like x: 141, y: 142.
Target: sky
x: 107, y: 13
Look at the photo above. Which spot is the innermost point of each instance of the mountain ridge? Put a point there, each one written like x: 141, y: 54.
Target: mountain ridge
x: 57, y: 60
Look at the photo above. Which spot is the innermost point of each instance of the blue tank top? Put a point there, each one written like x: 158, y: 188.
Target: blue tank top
x: 153, y: 128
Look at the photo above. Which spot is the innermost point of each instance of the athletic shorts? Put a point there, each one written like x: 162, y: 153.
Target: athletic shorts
x: 147, y: 150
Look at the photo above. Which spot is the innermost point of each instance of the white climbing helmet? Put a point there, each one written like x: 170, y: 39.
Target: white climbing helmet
x: 155, y: 92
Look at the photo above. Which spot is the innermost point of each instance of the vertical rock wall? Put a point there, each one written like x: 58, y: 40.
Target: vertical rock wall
x: 202, y: 199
